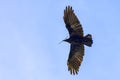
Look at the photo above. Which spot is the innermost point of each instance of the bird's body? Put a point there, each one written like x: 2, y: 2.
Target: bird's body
x: 77, y: 40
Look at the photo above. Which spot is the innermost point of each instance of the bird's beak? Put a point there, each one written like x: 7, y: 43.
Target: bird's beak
x: 65, y: 40
x: 61, y: 42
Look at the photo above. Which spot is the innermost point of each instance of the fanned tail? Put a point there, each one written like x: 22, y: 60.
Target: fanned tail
x: 88, y: 40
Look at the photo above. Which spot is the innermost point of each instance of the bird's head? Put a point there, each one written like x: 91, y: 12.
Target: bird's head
x: 67, y: 40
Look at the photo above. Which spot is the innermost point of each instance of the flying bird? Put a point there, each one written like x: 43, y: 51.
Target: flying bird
x: 76, y: 39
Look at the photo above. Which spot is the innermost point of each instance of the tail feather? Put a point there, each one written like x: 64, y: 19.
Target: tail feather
x: 88, y: 40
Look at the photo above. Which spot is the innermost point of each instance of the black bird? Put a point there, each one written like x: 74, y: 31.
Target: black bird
x: 76, y: 39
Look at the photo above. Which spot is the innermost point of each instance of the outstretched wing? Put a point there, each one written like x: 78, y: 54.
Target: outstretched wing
x: 72, y: 23
x: 75, y: 58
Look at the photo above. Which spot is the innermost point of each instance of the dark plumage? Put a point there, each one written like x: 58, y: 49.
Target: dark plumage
x: 76, y: 39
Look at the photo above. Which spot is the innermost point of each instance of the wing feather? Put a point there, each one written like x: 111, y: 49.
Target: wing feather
x: 72, y: 23
x: 75, y: 58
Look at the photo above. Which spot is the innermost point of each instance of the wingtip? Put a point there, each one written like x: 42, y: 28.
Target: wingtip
x: 69, y: 8
x: 72, y: 70
x: 67, y: 11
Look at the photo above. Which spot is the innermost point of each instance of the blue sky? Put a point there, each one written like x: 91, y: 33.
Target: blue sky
x: 30, y: 32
